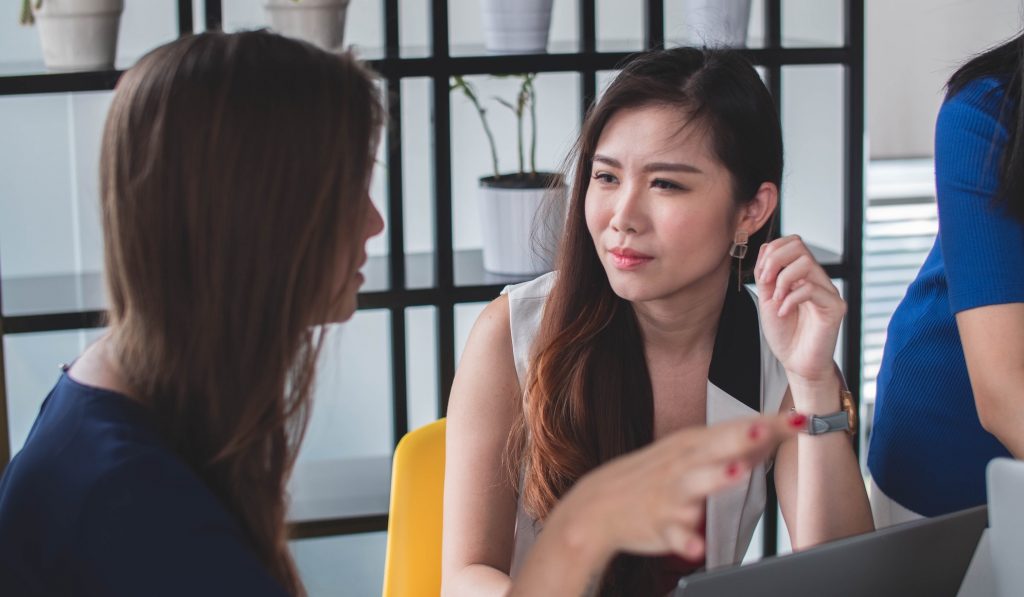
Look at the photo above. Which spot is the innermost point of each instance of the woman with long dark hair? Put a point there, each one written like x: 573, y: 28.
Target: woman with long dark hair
x: 949, y: 386
x: 234, y: 185
x: 234, y: 176
x: 646, y: 329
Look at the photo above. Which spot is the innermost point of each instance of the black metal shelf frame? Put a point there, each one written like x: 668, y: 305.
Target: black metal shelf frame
x: 445, y: 293
x: 394, y: 67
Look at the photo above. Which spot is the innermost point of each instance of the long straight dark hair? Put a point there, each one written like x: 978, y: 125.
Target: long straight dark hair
x: 1005, y: 62
x: 234, y: 178
x: 588, y: 390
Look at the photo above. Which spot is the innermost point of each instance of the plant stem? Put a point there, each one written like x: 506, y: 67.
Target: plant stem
x: 519, y: 135
x: 490, y: 140
x: 518, y: 109
x: 26, y: 17
x: 533, y: 127
x: 467, y: 90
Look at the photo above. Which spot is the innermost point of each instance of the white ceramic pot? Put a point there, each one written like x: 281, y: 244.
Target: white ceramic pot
x: 516, y: 26
x: 717, y: 22
x: 521, y: 228
x: 320, y: 22
x: 78, y: 34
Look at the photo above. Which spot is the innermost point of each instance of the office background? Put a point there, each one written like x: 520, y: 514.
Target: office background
x: 51, y: 254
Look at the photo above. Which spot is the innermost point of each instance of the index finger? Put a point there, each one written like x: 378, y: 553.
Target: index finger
x: 750, y: 440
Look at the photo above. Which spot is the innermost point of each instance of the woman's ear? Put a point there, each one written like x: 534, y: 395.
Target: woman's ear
x: 754, y: 214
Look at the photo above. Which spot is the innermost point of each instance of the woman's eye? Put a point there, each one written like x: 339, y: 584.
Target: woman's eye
x: 604, y: 177
x: 665, y: 184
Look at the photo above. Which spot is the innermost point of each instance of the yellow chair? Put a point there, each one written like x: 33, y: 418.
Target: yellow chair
x: 412, y: 566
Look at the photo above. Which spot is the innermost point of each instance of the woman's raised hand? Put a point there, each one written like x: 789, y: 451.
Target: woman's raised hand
x: 652, y: 501
x: 801, y: 310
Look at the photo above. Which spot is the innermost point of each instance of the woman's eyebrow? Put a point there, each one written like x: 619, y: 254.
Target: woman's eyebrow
x: 671, y: 167
x: 653, y: 166
x: 614, y: 163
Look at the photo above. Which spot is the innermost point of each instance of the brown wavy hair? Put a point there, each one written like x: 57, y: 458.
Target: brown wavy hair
x: 234, y: 178
x: 588, y: 395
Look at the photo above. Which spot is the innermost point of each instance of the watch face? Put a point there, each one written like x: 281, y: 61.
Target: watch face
x: 851, y: 412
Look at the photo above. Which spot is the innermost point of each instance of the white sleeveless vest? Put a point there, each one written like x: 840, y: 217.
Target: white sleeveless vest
x: 744, y: 379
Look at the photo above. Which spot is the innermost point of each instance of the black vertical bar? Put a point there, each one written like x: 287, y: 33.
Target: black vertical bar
x: 773, y: 39
x: 399, y: 378
x: 396, y: 232
x: 588, y: 91
x: 654, y: 24
x: 396, y: 211
x: 392, y: 40
x: 439, y: 27
x: 588, y: 26
x: 185, y: 24
x: 446, y: 356
x: 443, y: 208
x: 853, y: 202
x: 5, y: 439
x: 588, y: 45
x: 214, y: 21
x: 773, y: 23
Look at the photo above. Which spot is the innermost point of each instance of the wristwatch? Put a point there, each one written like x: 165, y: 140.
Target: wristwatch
x: 844, y: 420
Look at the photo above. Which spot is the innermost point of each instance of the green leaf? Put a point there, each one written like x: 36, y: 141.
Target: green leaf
x: 506, y: 104
x: 26, y: 17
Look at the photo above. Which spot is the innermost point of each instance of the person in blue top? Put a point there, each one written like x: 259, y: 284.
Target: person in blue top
x: 234, y: 187
x: 950, y: 386
x: 235, y: 172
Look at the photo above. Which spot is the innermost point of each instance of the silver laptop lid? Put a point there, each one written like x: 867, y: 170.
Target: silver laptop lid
x: 923, y: 557
x: 1006, y: 524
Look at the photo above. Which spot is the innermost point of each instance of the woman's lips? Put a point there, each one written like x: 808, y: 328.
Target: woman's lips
x: 628, y: 259
x: 359, y: 276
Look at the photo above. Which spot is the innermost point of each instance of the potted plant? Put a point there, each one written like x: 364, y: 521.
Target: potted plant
x: 320, y: 22
x: 75, y: 34
x: 521, y: 213
x: 516, y: 26
x: 717, y: 22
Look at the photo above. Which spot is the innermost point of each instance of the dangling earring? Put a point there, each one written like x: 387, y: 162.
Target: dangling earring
x: 739, y: 251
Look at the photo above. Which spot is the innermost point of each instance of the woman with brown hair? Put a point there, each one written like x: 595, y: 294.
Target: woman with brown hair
x: 574, y: 390
x: 234, y: 177
x: 234, y: 184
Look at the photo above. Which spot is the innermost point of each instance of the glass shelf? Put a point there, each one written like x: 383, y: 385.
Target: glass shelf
x: 468, y: 269
x: 339, y: 489
x: 39, y: 297
x: 34, y: 78
x: 38, y: 69
x: 45, y: 295
x: 554, y: 47
x: 84, y: 293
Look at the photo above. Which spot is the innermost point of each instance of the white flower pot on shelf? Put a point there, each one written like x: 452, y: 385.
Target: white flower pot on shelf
x: 521, y: 225
x: 320, y: 22
x: 721, y: 23
x: 78, y: 34
x: 516, y: 26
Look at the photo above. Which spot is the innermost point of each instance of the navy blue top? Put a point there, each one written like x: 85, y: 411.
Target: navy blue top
x: 928, y: 449
x: 96, y: 504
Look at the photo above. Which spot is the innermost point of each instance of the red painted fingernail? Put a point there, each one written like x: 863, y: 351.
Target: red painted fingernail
x: 797, y: 420
x: 694, y: 549
x: 756, y: 431
x: 732, y: 469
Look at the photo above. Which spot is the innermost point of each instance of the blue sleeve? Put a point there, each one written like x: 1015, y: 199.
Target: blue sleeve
x: 152, y: 528
x: 982, y: 245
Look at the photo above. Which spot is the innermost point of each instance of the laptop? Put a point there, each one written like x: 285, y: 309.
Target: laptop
x: 923, y: 557
x: 1006, y: 524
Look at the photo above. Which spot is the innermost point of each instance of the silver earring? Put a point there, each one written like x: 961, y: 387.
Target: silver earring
x: 738, y: 251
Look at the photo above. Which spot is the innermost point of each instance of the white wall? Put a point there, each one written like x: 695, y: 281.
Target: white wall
x: 913, y: 46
